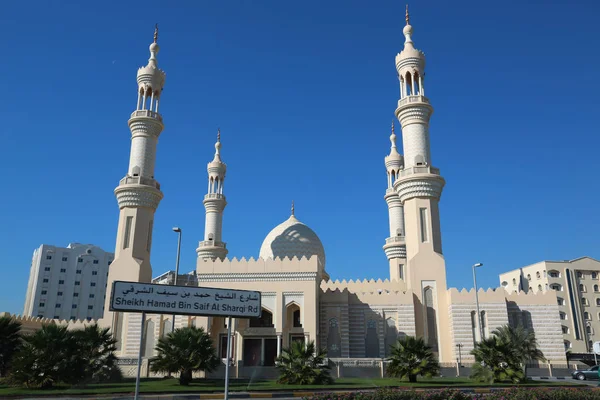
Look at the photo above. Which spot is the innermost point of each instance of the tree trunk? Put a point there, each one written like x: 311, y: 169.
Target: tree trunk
x: 185, y: 377
x: 412, y: 378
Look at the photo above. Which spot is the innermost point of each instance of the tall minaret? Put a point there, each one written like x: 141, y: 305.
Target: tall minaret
x: 419, y: 188
x: 212, y: 247
x: 138, y: 193
x: 395, y: 247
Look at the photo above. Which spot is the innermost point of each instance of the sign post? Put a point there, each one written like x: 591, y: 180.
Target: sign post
x: 184, y: 300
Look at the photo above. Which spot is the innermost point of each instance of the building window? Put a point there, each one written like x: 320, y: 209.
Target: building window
x: 584, y: 301
x: 90, y: 307
x: 562, y: 315
x: 554, y: 274
x: 594, y: 275
x: 539, y: 288
x: 565, y: 330
x: 95, y: 261
x: 59, y: 293
x: 48, y: 257
x: 595, y: 288
x: 297, y: 323
x: 265, y: 320
x: 78, y: 271
x: 73, y: 318
x: 65, y: 259
x: 598, y: 302
x: 94, y: 272
x: 63, y: 270
x: 45, y: 280
x: 57, y: 305
x: 80, y: 260
x: 77, y: 283
x: 579, y: 275
x: 47, y: 269
x: 73, y: 305
x: 530, y: 289
x: 424, y: 224
x: 75, y: 294
x: 582, y: 288
x: 588, y: 329
x: 586, y: 316
x: 61, y: 282
x: 56, y: 317
x: 561, y: 301
x: 556, y: 286
x: 128, y: 223
x: 92, y: 295
x: 42, y: 304
x: 93, y: 284
x: 528, y: 277
x: 44, y: 291
x: 514, y: 282
x: 40, y: 316
x: 537, y: 275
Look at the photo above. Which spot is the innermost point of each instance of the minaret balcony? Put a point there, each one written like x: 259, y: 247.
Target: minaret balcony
x: 419, y: 169
x: 217, y: 196
x: 395, y: 239
x: 412, y: 99
x: 212, y: 243
x: 139, y: 180
x: 147, y: 114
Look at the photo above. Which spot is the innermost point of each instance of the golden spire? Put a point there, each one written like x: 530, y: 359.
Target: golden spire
x: 155, y: 33
x: 407, y: 16
x: 219, y: 135
x: 293, y: 208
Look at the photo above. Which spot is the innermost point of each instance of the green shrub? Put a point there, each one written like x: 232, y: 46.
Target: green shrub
x: 542, y: 394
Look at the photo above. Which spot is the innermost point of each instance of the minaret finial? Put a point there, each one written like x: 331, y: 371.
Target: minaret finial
x: 293, y: 208
x: 155, y: 33
x: 219, y: 135
x: 407, y: 16
x: 393, y: 127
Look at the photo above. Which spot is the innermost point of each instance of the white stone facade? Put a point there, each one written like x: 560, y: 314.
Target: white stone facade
x: 67, y: 283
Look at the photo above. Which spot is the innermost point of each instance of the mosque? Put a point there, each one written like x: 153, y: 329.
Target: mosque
x: 352, y: 320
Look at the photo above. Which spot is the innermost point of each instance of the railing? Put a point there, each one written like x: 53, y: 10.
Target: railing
x: 214, y: 196
x: 212, y: 243
x: 413, y: 99
x: 419, y: 169
x: 395, y: 239
x: 146, y: 113
x: 140, y: 180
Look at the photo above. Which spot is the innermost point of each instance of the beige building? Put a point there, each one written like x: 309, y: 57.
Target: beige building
x: 355, y: 321
x: 576, y: 284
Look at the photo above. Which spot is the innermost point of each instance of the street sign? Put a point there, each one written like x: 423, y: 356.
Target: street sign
x: 184, y: 300
x: 596, y: 347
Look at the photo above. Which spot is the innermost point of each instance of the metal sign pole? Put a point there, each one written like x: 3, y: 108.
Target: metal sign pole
x: 139, y: 362
x: 228, y: 357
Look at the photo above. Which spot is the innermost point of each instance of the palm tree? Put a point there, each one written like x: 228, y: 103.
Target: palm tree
x: 10, y: 341
x: 302, y: 364
x: 412, y: 357
x: 523, y: 344
x: 47, y: 357
x: 185, y: 350
x: 96, y: 347
x: 495, y: 362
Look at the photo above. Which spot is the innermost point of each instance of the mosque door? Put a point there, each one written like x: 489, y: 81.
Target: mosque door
x: 334, y: 341
x: 252, y: 349
x: 270, y: 352
x: 431, y: 319
x: 371, y: 340
x: 391, y: 336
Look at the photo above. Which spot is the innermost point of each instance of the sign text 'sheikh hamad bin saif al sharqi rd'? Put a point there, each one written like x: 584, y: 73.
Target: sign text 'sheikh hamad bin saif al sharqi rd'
x: 187, y: 300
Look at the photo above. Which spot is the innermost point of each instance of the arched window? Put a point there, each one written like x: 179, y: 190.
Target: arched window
x: 561, y: 301
x: 265, y: 320
x: 597, y: 302
x: 556, y: 286
x: 565, y: 329
x: 594, y: 275
x: 582, y: 287
x: 579, y: 275
x: 567, y: 345
x: 537, y: 275
x: 586, y: 316
x: 528, y: 277
x: 514, y: 281
x: 296, y: 318
x: 562, y: 315
x: 584, y: 301
x: 539, y: 288
x: 595, y: 288
x: 554, y: 274
x: 588, y: 329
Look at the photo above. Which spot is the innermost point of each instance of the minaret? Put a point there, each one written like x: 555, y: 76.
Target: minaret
x: 212, y: 247
x: 395, y: 247
x: 138, y: 193
x: 419, y: 188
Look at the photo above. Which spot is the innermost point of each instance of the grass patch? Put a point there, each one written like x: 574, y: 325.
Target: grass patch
x: 156, y: 385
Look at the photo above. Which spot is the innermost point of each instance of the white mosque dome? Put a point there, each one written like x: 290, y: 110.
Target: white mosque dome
x: 291, y: 239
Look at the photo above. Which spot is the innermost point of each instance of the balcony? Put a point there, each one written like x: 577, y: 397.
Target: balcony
x: 419, y: 169
x: 139, y: 180
x: 146, y: 113
x: 211, y: 243
x: 412, y: 99
x: 214, y: 196
x: 395, y: 239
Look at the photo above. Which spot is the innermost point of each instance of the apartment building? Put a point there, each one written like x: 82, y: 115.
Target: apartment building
x: 577, y: 287
x: 67, y: 283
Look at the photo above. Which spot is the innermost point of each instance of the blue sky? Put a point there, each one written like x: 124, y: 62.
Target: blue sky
x: 304, y: 93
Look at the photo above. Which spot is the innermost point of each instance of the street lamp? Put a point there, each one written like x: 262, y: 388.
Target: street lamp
x: 477, y: 299
x: 177, y: 230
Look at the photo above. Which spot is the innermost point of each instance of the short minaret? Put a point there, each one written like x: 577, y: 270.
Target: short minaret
x: 419, y: 188
x: 213, y: 247
x: 138, y: 193
x: 395, y: 247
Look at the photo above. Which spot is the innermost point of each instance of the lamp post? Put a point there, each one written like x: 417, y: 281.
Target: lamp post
x: 459, y: 354
x: 477, y: 300
x: 178, y: 230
